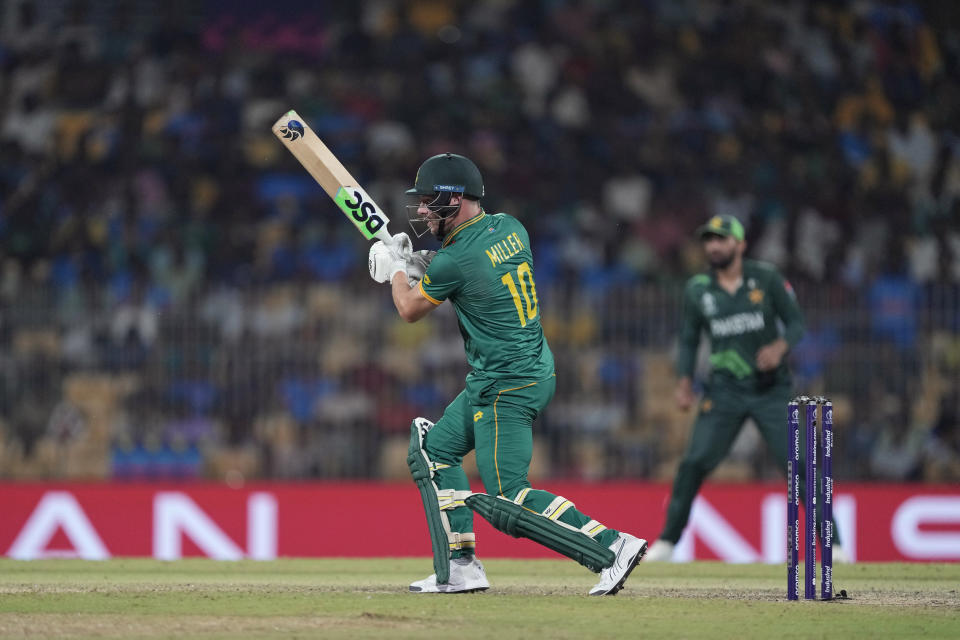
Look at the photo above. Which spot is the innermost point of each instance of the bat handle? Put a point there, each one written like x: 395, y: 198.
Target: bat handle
x: 383, y: 234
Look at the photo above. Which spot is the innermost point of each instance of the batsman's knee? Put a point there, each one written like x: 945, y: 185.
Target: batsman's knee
x: 418, y: 458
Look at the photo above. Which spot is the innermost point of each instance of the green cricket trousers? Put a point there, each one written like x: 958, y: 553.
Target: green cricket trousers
x: 495, y: 418
x: 723, y: 411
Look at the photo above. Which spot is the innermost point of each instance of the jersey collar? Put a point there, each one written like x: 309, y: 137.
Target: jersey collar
x: 463, y: 225
x: 715, y: 280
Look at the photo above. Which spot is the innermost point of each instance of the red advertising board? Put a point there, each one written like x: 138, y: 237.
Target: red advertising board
x: 735, y: 523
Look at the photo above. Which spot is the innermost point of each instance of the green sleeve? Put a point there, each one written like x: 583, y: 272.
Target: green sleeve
x: 442, y: 279
x: 689, y: 338
x: 787, y: 309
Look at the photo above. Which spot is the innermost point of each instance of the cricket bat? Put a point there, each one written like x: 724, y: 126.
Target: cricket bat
x: 342, y: 187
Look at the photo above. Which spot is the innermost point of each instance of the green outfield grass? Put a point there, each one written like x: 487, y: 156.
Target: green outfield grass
x: 528, y: 599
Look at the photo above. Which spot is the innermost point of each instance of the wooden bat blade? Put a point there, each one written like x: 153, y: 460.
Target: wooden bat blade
x: 297, y: 136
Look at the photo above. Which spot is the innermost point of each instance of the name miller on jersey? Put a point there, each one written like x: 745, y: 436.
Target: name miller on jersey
x: 506, y: 248
x: 737, y: 324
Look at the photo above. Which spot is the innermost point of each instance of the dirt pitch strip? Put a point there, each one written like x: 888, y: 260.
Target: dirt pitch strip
x: 343, y: 598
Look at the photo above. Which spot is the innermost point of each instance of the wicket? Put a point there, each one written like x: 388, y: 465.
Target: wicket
x: 823, y: 490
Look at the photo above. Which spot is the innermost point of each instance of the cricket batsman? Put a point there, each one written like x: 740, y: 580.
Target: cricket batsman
x: 484, y: 267
x: 740, y: 304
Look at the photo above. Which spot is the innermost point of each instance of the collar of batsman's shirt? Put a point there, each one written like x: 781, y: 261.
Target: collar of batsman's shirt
x: 463, y: 225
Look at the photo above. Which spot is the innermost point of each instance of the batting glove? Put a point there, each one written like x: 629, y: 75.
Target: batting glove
x: 401, y: 245
x: 417, y: 265
x: 384, y: 262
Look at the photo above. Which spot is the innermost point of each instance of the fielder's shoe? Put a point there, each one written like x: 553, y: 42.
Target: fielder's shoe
x: 660, y: 551
x: 466, y: 576
x: 628, y: 550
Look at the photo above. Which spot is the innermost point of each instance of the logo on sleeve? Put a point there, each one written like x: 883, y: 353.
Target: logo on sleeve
x: 477, y: 416
x: 426, y: 279
x: 789, y: 289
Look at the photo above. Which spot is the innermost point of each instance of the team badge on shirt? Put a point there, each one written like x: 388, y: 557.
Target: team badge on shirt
x: 756, y: 296
x: 709, y: 304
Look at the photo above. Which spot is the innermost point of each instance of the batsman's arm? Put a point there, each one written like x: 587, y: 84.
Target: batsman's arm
x: 410, y: 301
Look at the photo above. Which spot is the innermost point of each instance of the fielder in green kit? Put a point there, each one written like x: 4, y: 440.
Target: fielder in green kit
x: 485, y: 269
x: 742, y: 305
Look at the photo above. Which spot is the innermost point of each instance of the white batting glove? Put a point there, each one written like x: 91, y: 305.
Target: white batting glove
x: 401, y: 245
x: 417, y: 265
x: 384, y: 262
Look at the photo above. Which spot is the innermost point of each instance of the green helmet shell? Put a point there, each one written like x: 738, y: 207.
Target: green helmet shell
x: 448, y: 172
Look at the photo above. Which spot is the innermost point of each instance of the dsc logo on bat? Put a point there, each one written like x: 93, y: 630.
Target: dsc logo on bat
x: 360, y: 208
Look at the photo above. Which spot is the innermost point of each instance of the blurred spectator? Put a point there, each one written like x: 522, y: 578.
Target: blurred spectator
x: 152, y: 230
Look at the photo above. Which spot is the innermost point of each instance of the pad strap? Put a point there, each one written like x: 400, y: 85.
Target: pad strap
x: 451, y: 498
x: 462, y: 540
x: 553, y: 511
x: 556, y: 508
x: 592, y: 528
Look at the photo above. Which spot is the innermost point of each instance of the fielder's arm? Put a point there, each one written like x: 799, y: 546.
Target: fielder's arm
x: 691, y: 325
x: 688, y: 342
x: 786, y: 307
x: 410, y: 302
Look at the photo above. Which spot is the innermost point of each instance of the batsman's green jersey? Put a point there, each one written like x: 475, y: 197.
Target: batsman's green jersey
x: 739, y: 324
x: 485, y: 269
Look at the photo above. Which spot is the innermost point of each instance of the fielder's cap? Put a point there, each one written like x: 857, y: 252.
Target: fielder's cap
x: 724, y: 225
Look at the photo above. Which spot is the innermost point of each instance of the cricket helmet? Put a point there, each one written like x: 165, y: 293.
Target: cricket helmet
x: 448, y: 173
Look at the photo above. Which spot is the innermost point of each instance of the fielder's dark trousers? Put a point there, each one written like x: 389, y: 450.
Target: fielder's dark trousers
x: 723, y: 411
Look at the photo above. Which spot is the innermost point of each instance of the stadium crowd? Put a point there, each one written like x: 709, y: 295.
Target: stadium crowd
x: 178, y: 298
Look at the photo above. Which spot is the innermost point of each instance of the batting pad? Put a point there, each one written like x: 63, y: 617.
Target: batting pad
x: 513, y: 519
x: 436, y: 502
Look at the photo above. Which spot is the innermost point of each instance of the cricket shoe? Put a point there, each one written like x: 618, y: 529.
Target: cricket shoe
x: 466, y: 576
x: 628, y: 550
x: 660, y: 551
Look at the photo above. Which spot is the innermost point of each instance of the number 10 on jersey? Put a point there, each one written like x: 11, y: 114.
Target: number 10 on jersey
x: 527, y: 310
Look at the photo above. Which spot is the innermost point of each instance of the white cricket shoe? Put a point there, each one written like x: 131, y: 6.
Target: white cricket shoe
x: 660, y: 551
x: 628, y: 550
x: 465, y: 577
